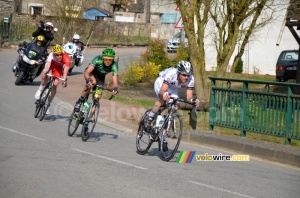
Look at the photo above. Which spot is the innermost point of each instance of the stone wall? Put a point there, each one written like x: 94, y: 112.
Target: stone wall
x: 6, y: 8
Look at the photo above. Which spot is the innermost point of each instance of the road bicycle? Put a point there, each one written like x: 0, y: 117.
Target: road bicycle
x: 41, y: 103
x: 166, y: 130
x: 87, y: 114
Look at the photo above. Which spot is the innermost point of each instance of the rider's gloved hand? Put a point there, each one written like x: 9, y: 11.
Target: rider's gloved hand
x: 196, y: 101
x: 115, y: 91
x: 64, y: 83
x: 166, y: 96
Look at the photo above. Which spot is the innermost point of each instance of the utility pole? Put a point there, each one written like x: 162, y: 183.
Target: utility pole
x: 147, y: 11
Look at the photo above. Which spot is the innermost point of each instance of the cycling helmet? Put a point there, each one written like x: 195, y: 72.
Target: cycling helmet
x: 76, y: 37
x: 108, y: 52
x: 185, y: 67
x: 49, y: 24
x: 57, y: 49
x: 40, y: 38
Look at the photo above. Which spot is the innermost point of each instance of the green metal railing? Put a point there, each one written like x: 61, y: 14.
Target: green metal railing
x: 264, y: 107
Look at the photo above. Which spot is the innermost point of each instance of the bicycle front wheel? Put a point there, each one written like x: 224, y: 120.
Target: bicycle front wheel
x: 74, y: 121
x: 90, y: 118
x: 143, y: 141
x: 43, y: 101
x: 171, y: 137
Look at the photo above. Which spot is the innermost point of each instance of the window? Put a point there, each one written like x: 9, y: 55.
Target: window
x: 36, y: 10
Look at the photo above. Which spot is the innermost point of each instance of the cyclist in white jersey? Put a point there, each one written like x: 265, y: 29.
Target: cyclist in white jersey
x: 168, y: 83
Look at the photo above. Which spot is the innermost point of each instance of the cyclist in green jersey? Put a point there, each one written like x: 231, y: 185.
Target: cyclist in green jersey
x: 95, y: 74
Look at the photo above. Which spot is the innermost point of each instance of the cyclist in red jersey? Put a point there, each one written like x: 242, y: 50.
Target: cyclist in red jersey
x: 57, y: 64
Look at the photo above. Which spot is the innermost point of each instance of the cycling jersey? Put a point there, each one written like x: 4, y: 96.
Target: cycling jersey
x: 170, y: 77
x: 57, y: 66
x: 100, y: 70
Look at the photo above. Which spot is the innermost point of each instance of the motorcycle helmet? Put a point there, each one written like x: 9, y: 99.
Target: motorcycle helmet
x: 40, y: 38
x: 108, y: 53
x: 185, y: 67
x: 49, y: 26
x: 57, y: 49
x: 76, y: 37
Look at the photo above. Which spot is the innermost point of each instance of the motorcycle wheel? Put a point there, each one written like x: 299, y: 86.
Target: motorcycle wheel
x: 20, y: 78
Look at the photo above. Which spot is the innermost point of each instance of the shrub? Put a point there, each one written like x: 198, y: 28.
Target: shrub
x: 151, y: 71
x: 156, y: 54
x: 182, y: 53
x: 134, y: 74
x: 239, y: 68
x: 137, y: 73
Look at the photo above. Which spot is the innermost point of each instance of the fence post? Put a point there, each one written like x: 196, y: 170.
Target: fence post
x: 244, y: 109
x: 212, y: 113
x: 289, y: 116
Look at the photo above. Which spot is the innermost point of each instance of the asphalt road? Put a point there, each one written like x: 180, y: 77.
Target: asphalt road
x: 38, y: 159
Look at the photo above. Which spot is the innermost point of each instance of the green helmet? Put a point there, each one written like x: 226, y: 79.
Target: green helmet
x: 108, y: 52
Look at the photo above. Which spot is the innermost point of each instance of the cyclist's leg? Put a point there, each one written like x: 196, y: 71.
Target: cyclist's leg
x: 43, y: 81
x: 53, y: 91
x: 100, y: 82
x: 150, y: 116
x: 86, y: 90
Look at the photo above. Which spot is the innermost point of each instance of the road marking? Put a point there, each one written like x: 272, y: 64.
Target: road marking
x: 220, y: 189
x: 110, y: 159
x: 21, y: 133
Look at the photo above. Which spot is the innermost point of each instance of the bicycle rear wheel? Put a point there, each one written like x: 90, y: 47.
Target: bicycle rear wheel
x: 43, y: 100
x: 171, y: 137
x: 92, y: 121
x: 143, y: 141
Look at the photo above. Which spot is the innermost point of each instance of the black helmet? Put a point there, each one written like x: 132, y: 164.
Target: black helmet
x: 185, y: 67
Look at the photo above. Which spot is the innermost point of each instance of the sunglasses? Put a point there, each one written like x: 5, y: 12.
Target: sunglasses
x: 58, y: 54
x: 185, y: 75
x: 107, y: 59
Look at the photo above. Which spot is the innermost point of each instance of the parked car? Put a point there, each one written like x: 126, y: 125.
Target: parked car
x: 286, y: 66
x: 174, y: 42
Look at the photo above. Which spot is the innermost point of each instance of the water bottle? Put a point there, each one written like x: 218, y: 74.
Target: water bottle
x: 97, y: 92
x: 159, y: 121
x: 86, y: 106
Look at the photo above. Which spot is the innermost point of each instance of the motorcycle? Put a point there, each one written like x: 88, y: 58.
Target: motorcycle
x: 74, y: 52
x: 29, y: 62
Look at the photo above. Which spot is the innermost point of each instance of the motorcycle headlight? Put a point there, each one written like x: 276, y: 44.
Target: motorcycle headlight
x: 27, y: 60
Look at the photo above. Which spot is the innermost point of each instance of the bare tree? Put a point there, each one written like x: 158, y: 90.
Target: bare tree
x: 68, y: 14
x: 233, y: 22
x: 195, y: 17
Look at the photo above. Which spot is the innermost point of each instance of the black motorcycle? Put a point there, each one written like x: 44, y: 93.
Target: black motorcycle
x: 30, y: 60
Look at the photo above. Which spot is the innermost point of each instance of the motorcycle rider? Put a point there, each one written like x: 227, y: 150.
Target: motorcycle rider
x: 38, y: 46
x: 80, y: 46
x: 45, y: 29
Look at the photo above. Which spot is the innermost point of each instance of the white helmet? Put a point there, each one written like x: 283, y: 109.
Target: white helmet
x: 185, y: 67
x: 76, y: 37
x: 70, y: 48
x: 49, y: 24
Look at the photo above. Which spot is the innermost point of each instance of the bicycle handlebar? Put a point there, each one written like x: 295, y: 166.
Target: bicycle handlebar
x: 101, y: 87
x: 175, y: 99
x: 55, y: 77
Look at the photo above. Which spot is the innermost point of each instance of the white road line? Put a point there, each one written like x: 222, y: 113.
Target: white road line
x: 220, y: 189
x: 21, y: 133
x: 110, y: 159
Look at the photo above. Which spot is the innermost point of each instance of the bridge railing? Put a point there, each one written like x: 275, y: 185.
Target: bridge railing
x: 264, y: 107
